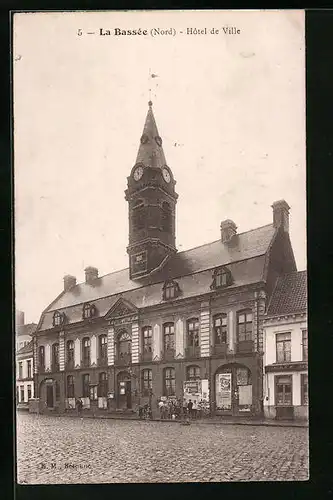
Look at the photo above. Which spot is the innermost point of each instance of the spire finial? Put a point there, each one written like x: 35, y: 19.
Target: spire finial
x: 150, y: 104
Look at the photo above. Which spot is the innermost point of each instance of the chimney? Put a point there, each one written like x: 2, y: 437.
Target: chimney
x: 281, y: 215
x: 228, y: 229
x: 91, y: 274
x: 19, y: 318
x: 69, y: 282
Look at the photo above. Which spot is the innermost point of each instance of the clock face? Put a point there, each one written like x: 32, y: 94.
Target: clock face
x: 144, y: 139
x: 138, y: 172
x: 166, y: 175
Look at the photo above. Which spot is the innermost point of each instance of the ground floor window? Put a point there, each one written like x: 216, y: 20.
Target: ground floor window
x: 85, y: 385
x: 233, y: 389
x: 57, y: 390
x: 304, y: 389
x: 283, y: 390
x: 21, y: 394
x: 169, y: 382
x: 70, y: 386
x: 103, y: 385
x: 147, y: 378
x: 29, y: 392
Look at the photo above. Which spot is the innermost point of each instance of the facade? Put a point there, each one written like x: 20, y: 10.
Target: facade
x: 24, y: 362
x: 286, y: 349
x: 137, y: 335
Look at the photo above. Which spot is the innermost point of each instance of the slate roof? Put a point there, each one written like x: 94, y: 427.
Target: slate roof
x: 27, y: 329
x: 244, y: 255
x: 289, y: 295
x: 27, y: 349
x: 151, y: 153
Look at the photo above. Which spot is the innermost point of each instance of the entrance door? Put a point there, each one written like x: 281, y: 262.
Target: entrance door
x: 49, y: 396
x: 124, y: 392
x: 233, y: 390
x: 128, y: 394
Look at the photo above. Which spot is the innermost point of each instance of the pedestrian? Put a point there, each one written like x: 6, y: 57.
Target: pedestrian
x: 79, y: 405
x: 189, y: 408
x: 184, y: 407
x: 194, y: 409
x: 140, y: 411
x: 161, y: 408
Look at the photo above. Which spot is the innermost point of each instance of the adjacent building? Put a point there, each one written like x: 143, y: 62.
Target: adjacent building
x: 286, y: 349
x: 24, y: 361
x: 137, y: 334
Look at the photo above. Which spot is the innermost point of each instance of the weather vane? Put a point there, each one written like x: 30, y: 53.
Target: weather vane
x: 151, y: 76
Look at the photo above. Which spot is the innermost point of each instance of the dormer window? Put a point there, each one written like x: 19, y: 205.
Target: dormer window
x: 58, y: 318
x: 89, y: 311
x: 221, y: 278
x: 171, y: 290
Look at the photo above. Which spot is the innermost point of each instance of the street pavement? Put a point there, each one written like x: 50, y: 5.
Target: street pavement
x: 53, y: 450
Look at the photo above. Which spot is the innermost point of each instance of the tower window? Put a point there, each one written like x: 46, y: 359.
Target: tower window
x: 171, y: 290
x: 138, y: 215
x: 166, y: 217
x: 221, y: 278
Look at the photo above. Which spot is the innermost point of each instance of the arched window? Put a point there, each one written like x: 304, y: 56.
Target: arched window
x: 193, y: 332
x: 171, y: 290
x: 220, y: 329
x: 70, y: 386
x: 41, y: 356
x: 89, y: 311
x: 86, y: 351
x: 221, y: 278
x: 169, y: 382
x: 193, y: 373
x: 102, y: 385
x: 70, y: 352
x: 55, y: 357
x: 58, y: 318
x: 244, y: 325
x: 169, y: 336
x: 147, y: 338
x: 166, y: 217
x: 146, y: 381
x: 86, y: 385
x: 103, y: 347
x: 138, y: 215
x: 124, y: 346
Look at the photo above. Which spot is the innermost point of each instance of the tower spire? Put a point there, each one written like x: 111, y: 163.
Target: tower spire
x: 150, y: 151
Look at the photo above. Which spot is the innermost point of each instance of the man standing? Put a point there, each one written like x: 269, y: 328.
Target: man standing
x: 161, y: 408
x: 189, y: 408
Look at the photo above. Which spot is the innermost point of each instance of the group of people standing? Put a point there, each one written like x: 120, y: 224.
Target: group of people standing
x: 175, y: 409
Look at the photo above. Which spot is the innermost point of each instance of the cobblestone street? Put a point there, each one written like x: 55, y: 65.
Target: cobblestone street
x: 71, y: 450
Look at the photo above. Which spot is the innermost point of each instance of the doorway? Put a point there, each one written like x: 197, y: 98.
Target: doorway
x: 233, y: 390
x: 49, y: 396
x: 124, y: 391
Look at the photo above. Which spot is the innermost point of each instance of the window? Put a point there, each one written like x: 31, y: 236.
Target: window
x: 169, y: 382
x: 70, y: 351
x: 283, y: 347
x: 86, y: 350
x: 29, y: 391
x: 29, y: 368
x: 58, y: 318
x: 103, y: 346
x: 146, y: 381
x: 305, y: 345
x: 147, y: 338
x: 169, y: 336
x: 171, y: 290
x: 124, y: 345
x: 70, y: 386
x: 102, y: 385
x: 41, y: 356
x: 221, y: 277
x: 89, y: 311
x: 283, y: 390
x: 55, y: 356
x: 57, y: 391
x: 220, y: 328
x: 193, y: 373
x: 304, y: 389
x: 20, y: 366
x: 193, y: 332
x: 166, y: 217
x: 243, y: 376
x: 244, y: 325
x: 22, y: 394
x: 85, y: 385
x: 138, y: 215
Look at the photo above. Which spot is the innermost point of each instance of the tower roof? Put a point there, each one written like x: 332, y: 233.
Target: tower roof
x: 151, y: 151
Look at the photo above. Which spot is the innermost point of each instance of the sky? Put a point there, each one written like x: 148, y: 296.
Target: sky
x: 229, y: 108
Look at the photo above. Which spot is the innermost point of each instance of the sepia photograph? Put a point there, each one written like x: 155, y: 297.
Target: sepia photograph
x: 160, y: 246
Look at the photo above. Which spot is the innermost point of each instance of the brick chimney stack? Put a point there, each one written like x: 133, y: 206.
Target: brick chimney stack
x: 19, y: 318
x: 228, y: 229
x: 281, y: 215
x: 91, y: 274
x: 69, y: 282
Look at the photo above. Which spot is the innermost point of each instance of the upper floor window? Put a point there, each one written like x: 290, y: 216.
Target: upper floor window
x: 20, y: 365
x: 124, y: 344
x: 70, y: 386
x: 146, y: 381
x: 85, y: 385
x: 86, y: 350
x: 171, y: 290
x: 221, y: 277
x: 102, y: 385
x: 169, y: 382
x: 147, y: 339
x: 103, y: 346
x: 89, y: 311
x: 283, y: 347
x: 58, y: 318
x: 305, y: 345
x: 70, y: 351
x: 193, y: 332
x: 29, y: 368
x: 166, y: 217
x: 169, y: 336
x: 193, y: 373
x: 41, y: 355
x: 138, y: 215
x: 55, y: 354
x: 220, y: 328
x: 244, y: 325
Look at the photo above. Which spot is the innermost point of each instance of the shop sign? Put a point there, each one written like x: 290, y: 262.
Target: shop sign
x: 192, y: 386
x: 223, y: 391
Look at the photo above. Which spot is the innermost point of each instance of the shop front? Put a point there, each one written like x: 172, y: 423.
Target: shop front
x: 233, y: 390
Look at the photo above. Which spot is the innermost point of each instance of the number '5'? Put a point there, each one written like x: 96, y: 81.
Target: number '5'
x: 79, y: 32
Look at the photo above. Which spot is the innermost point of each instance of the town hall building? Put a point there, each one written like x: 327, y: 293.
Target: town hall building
x: 139, y: 334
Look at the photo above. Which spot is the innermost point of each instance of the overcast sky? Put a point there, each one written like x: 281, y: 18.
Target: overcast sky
x: 229, y: 108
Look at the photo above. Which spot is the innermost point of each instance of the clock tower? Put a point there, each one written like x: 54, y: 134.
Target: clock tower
x: 151, y: 198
